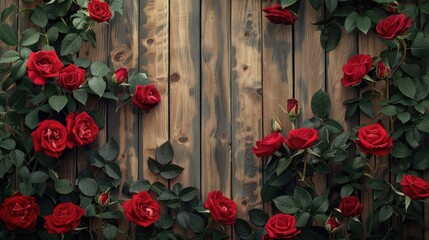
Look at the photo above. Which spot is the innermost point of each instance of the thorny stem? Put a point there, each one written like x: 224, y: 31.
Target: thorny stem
x: 375, y: 89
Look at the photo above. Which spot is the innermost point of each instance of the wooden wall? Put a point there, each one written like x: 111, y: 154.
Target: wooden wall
x: 222, y: 69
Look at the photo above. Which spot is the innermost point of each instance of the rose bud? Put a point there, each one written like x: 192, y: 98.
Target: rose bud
x: 393, y: 7
x: 103, y: 199
x: 382, y: 70
x: 292, y: 109
x: 276, y: 126
x: 120, y: 76
x: 331, y: 224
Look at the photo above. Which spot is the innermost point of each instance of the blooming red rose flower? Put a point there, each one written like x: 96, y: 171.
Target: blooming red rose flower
x: 64, y: 219
x: 19, y: 212
x: 350, y: 206
x: 277, y: 15
x: 282, y: 226
x: 414, y: 187
x: 268, y: 145
x: 301, y: 138
x: 71, y: 77
x: 81, y: 128
x: 103, y: 199
x: 392, y: 26
x: 50, y: 137
x: 374, y: 139
x: 146, y: 97
x: 99, y: 11
x: 331, y: 224
x: 222, y: 209
x: 120, y: 76
x: 141, y: 209
x: 382, y: 70
x: 42, y: 65
x: 355, y: 69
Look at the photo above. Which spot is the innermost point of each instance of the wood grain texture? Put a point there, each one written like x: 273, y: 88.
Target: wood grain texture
x: 185, y: 89
x: 309, y: 63
x: 246, y: 104
x: 154, y: 50
x: 216, y: 98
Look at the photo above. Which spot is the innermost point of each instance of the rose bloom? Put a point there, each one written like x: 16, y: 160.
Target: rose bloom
x: 301, y: 138
x: 382, y: 71
x: 282, y: 226
x: 121, y: 75
x: 355, y: 69
x: 19, y: 212
x: 392, y: 26
x: 81, y: 128
x: 141, y: 209
x: 374, y: 139
x: 222, y: 209
x: 42, y: 65
x: 146, y: 97
x: 268, y: 145
x: 350, y: 206
x: 414, y: 187
x: 71, y: 77
x: 50, y: 137
x: 276, y: 14
x: 64, y: 219
x: 99, y: 11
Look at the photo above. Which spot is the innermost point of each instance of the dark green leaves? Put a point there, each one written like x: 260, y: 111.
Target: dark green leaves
x: 406, y: 86
x: 58, y: 102
x: 258, y: 217
x: 330, y: 36
x: 88, y: 186
x: 164, y: 153
x: 321, y: 104
x: 420, y: 46
x: 243, y: 229
x: 71, y: 44
x: 109, y: 151
x: 7, y: 35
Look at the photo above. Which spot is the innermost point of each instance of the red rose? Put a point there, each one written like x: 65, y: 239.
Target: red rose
x: 141, y: 209
x: 393, y: 25
x: 382, y: 71
x: 276, y: 14
x: 64, y: 219
x: 374, y: 139
x: 282, y: 226
x: 103, y: 199
x: 99, y: 11
x: 414, y: 187
x: 146, y: 97
x: 81, y: 129
x: 222, y: 209
x: 120, y: 76
x: 350, y: 206
x: 268, y: 145
x: 301, y: 138
x: 355, y: 69
x: 19, y: 212
x: 42, y: 65
x: 393, y: 7
x: 71, y: 77
x: 331, y: 224
x: 50, y: 136
x: 292, y: 107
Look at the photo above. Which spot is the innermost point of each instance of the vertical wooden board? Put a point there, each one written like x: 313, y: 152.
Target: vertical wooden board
x: 185, y: 89
x: 246, y: 101
x: 216, y: 98
x: 154, y: 50
x: 309, y: 68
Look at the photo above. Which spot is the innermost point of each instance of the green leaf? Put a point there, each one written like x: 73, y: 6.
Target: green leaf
x: 154, y: 166
x: 378, y: 184
x: 303, y: 196
x: 287, y: 204
x: 88, y: 186
x: 53, y: 34
x: 9, y: 57
x: 196, y: 223
x: 302, y: 219
x: 165, y: 221
x: 116, y: 6
x: 287, y: 3
x: 258, y: 217
x: 330, y: 36
x: 389, y: 110
x: 385, y: 213
x: 140, y: 186
x: 423, y: 125
x: 411, y: 69
x: 420, y: 46
x: 321, y: 104
x: 5, y: 165
x: 283, y: 164
x: 58, y: 102
x: 137, y: 79
x: 406, y: 86
x: 113, y: 170
x: 29, y: 37
x: 316, y: 4
x: 404, y: 117
x: 400, y: 150
x: 319, y: 205
x: 17, y: 157
x: 98, y: 85
x: 164, y: 153
x: 110, y: 231
x: 99, y: 69
x: 110, y: 150
x: 38, y: 177
x: 350, y: 23
x: 82, y: 62
x: 421, y: 160
x: 167, y: 195
x: 71, y: 44
x: 6, y: 12
x: 363, y: 23
x: 8, y: 144
x: 114, y: 214
x: 366, y: 108
x: 7, y: 35
x: 39, y: 17
x: 171, y: 171
x: 346, y: 190
x: 183, y: 219
x: 331, y: 5
x: 80, y: 95
x: 243, y: 229
x: 63, y: 186
x: 187, y: 194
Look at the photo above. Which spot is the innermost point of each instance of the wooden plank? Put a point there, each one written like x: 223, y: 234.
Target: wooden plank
x: 309, y: 68
x: 185, y: 89
x: 216, y: 98
x: 246, y: 101
x: 154, y: 49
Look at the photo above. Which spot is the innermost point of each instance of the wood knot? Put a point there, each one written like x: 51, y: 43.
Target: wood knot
x: 175, y: 77
x: 259, y: 91
x: 149, y: 41
x: 244, y: 202
x: 183, y: 139
x: 247, y: 34
x: 223, y: 136
x: 120, y: 54
x: 249, y: 15
x: 245, y: 68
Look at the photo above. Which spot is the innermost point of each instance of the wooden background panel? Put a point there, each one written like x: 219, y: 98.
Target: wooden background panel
x: 215, y: 98
x: 246, y: 103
